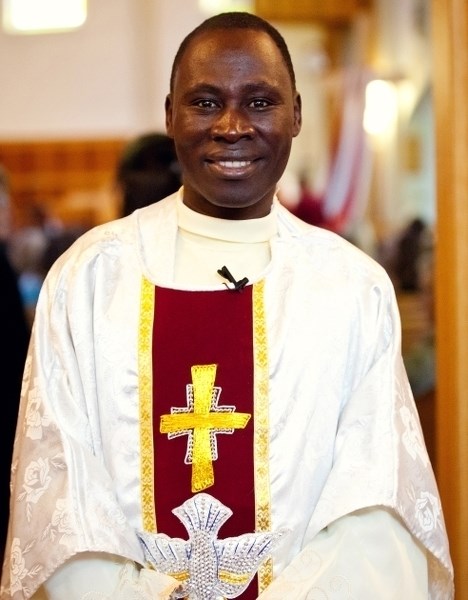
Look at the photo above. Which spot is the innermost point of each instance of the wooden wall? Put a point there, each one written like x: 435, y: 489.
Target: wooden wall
x: 329, y: 12
x: 71, y: 180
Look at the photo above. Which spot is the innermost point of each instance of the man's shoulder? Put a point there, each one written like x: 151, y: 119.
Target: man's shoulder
x: 323, y: 247
x: 120, y: 232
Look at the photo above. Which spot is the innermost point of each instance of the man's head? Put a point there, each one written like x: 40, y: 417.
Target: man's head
x: 233, y: 111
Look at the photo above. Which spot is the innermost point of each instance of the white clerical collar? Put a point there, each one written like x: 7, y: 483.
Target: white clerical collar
x: 245, y: 231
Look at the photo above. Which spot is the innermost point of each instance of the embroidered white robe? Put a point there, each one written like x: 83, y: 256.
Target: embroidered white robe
x: 343, y: 428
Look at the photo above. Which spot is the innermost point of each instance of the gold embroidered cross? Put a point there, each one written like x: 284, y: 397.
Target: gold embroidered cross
x: 202, y: 420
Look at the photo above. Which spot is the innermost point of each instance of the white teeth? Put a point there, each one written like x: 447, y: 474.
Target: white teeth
x: 234, y: 164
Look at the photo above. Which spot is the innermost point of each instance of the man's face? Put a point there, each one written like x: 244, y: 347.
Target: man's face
x: 233, y: 114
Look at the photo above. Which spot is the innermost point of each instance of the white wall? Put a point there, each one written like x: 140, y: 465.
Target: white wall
x: 108, y: 78
x: 403, y: 51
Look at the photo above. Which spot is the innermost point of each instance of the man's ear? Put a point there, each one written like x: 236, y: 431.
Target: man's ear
x: 297, y: 114
x: 168, y: 108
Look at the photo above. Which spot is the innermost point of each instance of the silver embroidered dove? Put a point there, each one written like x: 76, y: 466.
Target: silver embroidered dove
x: 207, y: 567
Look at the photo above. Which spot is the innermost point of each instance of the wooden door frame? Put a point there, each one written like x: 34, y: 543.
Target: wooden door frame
x: 450, y: 83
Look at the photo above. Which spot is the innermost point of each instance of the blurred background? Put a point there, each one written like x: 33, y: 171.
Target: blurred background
x: 82, y: 80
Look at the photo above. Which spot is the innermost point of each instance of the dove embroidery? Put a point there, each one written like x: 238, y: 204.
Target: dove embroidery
x: 207, y: 567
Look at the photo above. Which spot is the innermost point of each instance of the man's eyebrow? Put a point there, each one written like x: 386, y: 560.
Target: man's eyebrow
x: 202, y: 88
x: 251, y: 87
x: 258, y: 86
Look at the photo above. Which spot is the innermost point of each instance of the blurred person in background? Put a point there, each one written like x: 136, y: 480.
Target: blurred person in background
x: 26, y: 251
x: 147, y: 172
x: 411, y: 248
x: 14, y: 336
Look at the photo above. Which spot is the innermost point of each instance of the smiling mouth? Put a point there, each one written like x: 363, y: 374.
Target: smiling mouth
x: 234, y: 164
x: 232, y: 168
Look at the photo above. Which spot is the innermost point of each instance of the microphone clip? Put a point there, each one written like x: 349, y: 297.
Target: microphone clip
x: 238, y: 285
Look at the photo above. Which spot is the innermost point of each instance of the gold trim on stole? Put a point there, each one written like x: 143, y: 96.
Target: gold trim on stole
x: 262, y: 429
x: 261, y: 417
x: 145, y: 385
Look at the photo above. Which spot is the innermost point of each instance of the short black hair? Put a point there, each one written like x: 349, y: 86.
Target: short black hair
x: 236, y: 20
x: 148, y: 171
x: 148, y: 151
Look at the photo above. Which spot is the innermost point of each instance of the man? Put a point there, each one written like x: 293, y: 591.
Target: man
x: 215, y: 389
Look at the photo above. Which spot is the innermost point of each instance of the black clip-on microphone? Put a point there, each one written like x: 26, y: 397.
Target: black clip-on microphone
x: 238, y: 285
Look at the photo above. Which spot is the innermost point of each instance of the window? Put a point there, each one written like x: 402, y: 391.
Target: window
x: 43, y: 16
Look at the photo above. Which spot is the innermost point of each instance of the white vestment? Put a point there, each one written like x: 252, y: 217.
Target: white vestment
x: 344, y: 435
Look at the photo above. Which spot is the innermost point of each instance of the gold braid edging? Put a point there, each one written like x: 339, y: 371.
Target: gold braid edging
x: 145, y: 385
x: 262, y: 434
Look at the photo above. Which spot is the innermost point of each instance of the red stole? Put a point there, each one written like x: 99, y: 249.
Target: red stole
x: 204, y: 328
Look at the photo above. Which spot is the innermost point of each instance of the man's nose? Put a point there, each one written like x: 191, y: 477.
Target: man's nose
x: 232, y: 124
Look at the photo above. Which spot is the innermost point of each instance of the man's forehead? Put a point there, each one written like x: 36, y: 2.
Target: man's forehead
x: 228, y: 36
x: 249, y: 45
x: 221, y: 80
x: 221, y: 45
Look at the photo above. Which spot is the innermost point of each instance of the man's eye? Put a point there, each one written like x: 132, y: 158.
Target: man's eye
x: 259, y: 103
x: 205, y: 103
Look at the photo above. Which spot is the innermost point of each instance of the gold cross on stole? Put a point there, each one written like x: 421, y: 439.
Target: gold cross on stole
x: 201, y: 421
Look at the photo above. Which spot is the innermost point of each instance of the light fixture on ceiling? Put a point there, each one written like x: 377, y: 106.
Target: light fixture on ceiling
x: 381, y: 108
x: 213, y: 7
